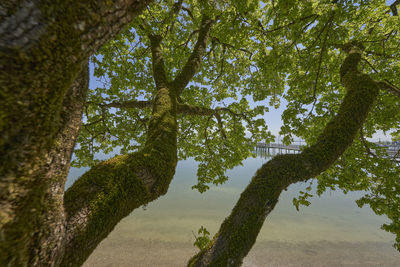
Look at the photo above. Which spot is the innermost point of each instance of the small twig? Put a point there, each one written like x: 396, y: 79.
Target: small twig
x: 365, y: 144
x: 321, y: 54
x: 389, y: 87
x: 188, y: 11
x: 370, y: 65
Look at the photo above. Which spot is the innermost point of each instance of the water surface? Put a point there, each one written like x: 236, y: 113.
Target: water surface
x: 333, y: 231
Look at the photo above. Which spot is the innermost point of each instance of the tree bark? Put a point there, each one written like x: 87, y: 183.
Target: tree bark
x: 42, y: 48
x: 239, y: 231
x: 111, y: 190
x: 50, y: 239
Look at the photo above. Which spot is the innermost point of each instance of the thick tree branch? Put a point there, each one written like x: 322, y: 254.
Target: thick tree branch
x: 111, y: 190
x: 239, y: 231
x: 160, y: 78
x: 193, y: 63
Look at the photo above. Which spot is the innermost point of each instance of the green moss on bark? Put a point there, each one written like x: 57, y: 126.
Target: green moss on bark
x: 239, y: 231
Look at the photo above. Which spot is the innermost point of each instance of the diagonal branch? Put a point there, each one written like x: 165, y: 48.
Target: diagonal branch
x: 365, y: 144
x: 233, y: 47
x: 393, y: 7
x: 193, y: 63
x: 128, y: 104
x: 203, y: 111
x: 387, y: 86
x: 111, y: 190
x: 239, y: 231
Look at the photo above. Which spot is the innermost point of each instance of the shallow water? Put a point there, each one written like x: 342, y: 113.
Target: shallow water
x: 333, y: 231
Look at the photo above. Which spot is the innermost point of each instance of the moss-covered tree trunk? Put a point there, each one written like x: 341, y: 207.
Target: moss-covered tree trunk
x: 43, y: 45
x: 111, y: 190
x: 49, y: 239
x: 239, y: 231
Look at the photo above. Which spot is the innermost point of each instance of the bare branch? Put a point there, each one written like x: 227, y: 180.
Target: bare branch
x: 321, y: 54
x: 232, y: 47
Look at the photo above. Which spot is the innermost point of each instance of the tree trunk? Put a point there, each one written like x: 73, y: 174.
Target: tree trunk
x: 42, y: 48
x: 50, y: 239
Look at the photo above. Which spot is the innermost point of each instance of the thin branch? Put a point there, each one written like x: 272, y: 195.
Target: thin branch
x: 203, y: 111
x: 193, y: 63
x: 189, y: 38
x: 170, y: 17
x: 387, y: 86
x: 365, y: 144
x: 287, y: 25
x: 234, y: 48
x: 221, y: 71
x: 321, y: 54
x: 323, y: 48
x: 128, y: 104
x: 188, y: 11
x: 370, y: 65
x: 393, y: 7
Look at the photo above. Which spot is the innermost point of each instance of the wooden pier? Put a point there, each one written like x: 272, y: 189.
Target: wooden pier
x: 276, y: 148
x: 270, y: 149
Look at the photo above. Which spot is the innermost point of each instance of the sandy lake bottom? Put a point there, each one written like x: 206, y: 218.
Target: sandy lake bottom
x: 333, y: 231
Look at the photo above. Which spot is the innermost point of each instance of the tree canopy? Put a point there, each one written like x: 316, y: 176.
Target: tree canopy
x: 262, y: 52
x: 178, y: 82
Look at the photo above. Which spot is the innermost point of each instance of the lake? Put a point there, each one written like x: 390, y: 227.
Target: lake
x: 332, y: 231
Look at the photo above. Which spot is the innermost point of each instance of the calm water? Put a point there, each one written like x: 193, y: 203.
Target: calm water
x: 333, y: 218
